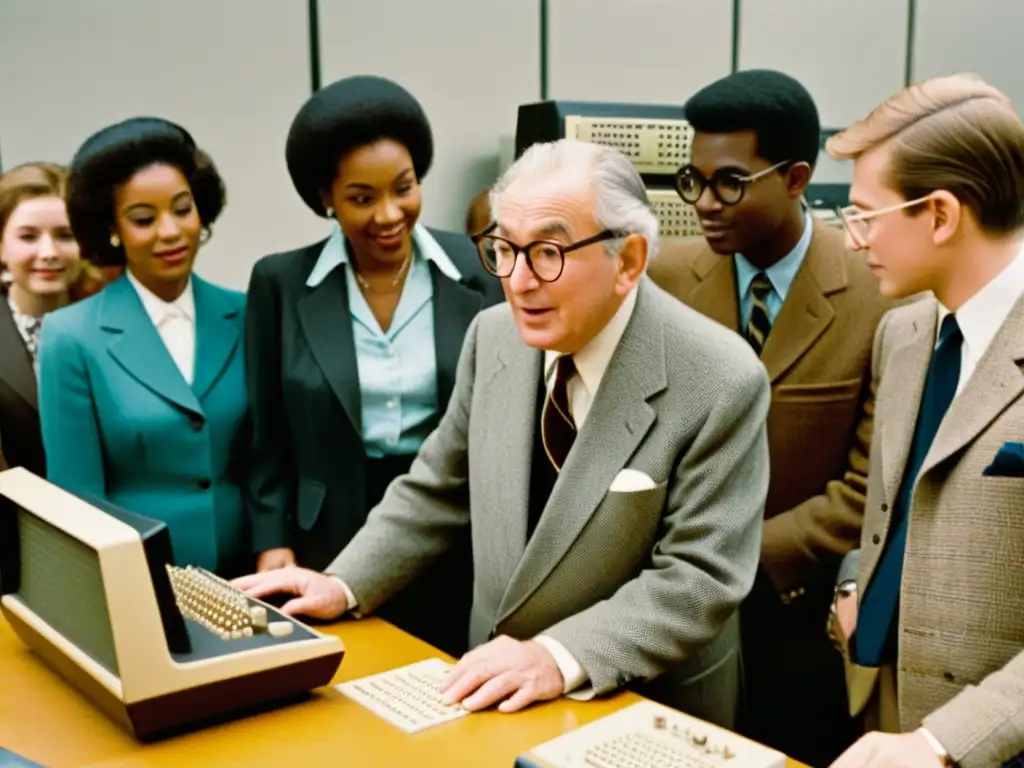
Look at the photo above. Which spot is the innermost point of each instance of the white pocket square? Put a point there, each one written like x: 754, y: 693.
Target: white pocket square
x: 632, y: 480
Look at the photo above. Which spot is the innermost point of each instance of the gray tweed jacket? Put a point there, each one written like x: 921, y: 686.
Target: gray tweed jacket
x: 635, y: 584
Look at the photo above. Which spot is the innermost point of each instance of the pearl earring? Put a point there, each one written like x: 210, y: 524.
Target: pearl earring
x: 115, y: 241
x: 330, y: 212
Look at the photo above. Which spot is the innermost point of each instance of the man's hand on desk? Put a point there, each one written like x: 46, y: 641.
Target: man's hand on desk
x: 514, y: 672
x: 884, y: 750
x: 316, y: 594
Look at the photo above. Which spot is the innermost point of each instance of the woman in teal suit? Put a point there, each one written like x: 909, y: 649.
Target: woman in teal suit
x: 142, y: 386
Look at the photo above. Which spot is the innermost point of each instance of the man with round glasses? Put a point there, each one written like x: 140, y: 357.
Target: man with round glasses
x: 607, y: 447
x: 770, y: 271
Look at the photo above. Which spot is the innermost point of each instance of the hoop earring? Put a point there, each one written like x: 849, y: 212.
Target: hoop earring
x: 115, y: 241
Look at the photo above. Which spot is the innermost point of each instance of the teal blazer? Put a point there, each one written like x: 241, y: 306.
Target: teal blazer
x: 120, y: 422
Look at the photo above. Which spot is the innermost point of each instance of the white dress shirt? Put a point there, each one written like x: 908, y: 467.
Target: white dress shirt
x: 982, y: 315
x: 175, y: 321
x: 591, y: 363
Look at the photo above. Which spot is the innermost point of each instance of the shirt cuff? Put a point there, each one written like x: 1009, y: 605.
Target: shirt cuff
x: 935, y: 744
x: 352, y: 603
x: 572, y: 672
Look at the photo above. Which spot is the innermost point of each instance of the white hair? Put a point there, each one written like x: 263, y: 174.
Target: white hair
x: 621, y: 203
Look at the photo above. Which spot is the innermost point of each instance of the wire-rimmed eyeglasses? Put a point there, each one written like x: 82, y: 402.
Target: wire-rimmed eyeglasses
x: 858, y: 222
x: 727, y: 186
x: 545, y: 258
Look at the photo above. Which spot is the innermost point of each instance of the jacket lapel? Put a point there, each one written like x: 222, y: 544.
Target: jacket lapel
x: 995, y: 384
x: 506, y: 450
x: 619, y: 419
x: 217, y: 335
x: 454, y: 307
x: 16, y: 368
x: 137, y: 347
x: 326, y: 322
x: 905, y: 371
x: 806, y: 313
x: 715, y: 295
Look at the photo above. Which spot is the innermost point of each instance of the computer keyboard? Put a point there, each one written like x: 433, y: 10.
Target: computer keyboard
x: 221, y: 609
x: 649, y: 735
x: 408, y: 697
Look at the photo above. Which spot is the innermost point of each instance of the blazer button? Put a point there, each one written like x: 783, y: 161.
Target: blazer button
x: 203, y: 483
x: 885, y: 507
x: 196, y: 422
x: 948, y: 676
x: 876, y: 539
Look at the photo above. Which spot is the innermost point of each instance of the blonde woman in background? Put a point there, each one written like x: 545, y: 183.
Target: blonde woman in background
x: 40, y: 263
x: 39, y: 269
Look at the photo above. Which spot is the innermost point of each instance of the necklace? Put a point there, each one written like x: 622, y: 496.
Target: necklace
x: 365, y: 285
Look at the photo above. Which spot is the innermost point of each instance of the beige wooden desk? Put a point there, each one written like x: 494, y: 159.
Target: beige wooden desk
x: 45, y: 720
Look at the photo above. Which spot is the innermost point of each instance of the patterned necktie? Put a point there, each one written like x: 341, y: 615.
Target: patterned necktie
x: 759, y: 325
x: 878, y: 608
x: 558, y: 429
x: 31, y: 326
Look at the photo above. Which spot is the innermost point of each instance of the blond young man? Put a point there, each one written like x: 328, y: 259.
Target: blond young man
x: 937, y: 608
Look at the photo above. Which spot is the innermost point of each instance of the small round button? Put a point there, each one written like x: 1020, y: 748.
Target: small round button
x: 947, y: 676
x: 876, y: 539
x: 196, y: 422
x: 203, y: 483
x: 885, y: 507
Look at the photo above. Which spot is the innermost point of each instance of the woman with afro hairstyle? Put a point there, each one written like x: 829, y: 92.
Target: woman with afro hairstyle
x: 352, y: 344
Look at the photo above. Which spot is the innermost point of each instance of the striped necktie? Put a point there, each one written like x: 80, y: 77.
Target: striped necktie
x: 759, y: 325
x: 558, y: 428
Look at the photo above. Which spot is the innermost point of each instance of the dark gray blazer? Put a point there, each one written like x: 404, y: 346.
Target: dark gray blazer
x: 306, y: 484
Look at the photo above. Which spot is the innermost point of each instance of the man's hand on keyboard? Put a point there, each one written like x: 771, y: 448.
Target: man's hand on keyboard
x: 513, y: 672
x: 884, y: 750
x: 316, y: 594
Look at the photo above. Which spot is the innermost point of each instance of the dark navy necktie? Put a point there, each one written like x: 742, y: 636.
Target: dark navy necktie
x: 876, y: 617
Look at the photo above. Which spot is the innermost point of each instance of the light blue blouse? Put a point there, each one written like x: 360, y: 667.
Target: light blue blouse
x: 397, y: 368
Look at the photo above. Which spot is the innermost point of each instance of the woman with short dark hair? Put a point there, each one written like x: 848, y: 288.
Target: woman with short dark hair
x: 142, y: 388
x: 352, y: 343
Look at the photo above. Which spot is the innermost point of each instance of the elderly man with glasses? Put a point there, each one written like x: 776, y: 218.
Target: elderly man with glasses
x: 607, y: 446
x: 768, y: 270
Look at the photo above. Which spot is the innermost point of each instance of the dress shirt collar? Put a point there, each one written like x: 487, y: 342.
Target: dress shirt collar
x: 160, y: 310
x: 782, y: 273
x: 592, y: 361
x: 982, y: 315
x: 335, y: 253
